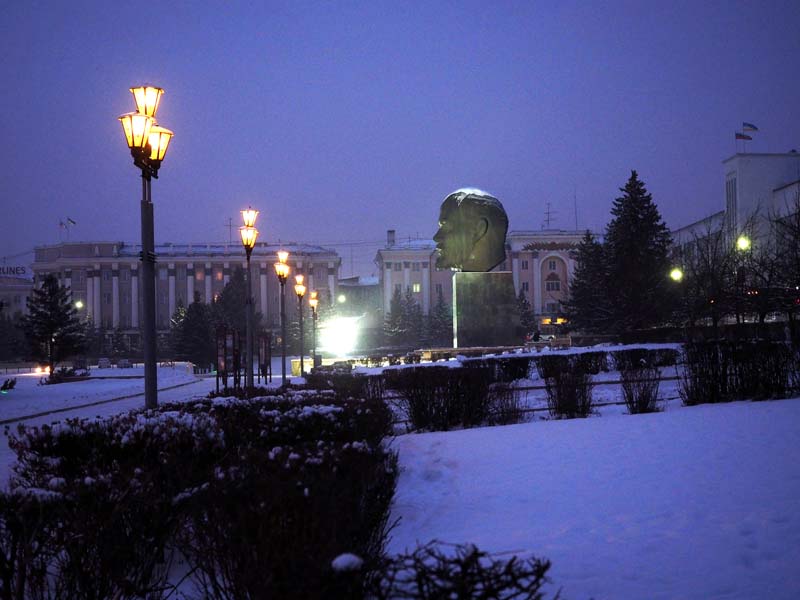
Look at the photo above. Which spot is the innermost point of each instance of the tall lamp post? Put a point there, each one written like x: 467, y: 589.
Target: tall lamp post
x: 148, y: 144
x: 249, y: 234
x: 300, y: 290
x: 313, y: 301
x: 282, y: 271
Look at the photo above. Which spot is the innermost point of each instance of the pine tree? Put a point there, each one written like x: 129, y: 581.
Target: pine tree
x: 392, y: 324
x: 587, y: 308
x: 52, y: 326
x: 527, y: 318
x: 411, y: 320
x: 636, y: 248
x: 440, y: 324
x: 192, y: 334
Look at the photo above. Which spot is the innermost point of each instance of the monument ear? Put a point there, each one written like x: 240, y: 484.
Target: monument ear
x: 481, y: 228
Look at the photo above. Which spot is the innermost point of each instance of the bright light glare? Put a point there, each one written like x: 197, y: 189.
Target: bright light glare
x: 339, y: 335
x: 676, y: 274
x: 743, y: 243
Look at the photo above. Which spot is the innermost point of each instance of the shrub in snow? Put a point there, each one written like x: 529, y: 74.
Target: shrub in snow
x: 464, y: 571
x: 592, y: 362
x: 640, y: 388
x: 567, y: 385
x: 348, y: 385
x: 502, y: 369
x: 505, y: 406
x: 442, y: 398
x: 271, y: 526
x: 26, y: 526
x: 703, y: 374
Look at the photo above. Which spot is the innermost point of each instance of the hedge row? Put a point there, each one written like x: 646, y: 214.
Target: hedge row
x: 257, y: 496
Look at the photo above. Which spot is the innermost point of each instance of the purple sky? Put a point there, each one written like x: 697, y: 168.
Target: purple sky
x: 340, y: 120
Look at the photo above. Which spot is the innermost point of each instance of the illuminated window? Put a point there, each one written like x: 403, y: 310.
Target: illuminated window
x: 416, y: 287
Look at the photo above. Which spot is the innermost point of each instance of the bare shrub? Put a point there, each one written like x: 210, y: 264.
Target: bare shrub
x: 640, y: 389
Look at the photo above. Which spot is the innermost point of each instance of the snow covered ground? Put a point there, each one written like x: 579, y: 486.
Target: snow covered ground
x: 694, y: 502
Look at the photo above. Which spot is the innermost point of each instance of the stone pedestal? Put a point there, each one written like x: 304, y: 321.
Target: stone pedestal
x: 485, y: 311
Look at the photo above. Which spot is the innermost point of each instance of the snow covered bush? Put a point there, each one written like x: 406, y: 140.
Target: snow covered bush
x: 703, y: 374
x: 431, y: 572
x: 502, y: 369
x: 435, y: 398
x: 640, y: 388
x: 567, y: 384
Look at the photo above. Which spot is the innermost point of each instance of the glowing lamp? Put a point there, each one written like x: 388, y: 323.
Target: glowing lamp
x: 299, y: 288
x: 282, y: 270
x: 743, y: 243
x: 283, y: 255
x: 341, y: 298
x: 137, y: 129
x: 159, y: 138
x: 249, y: 217
x: 676, y: 274
x: 147, y: 98
x: 79, y: 304
x: 313, y: 301
x: 249, y: 235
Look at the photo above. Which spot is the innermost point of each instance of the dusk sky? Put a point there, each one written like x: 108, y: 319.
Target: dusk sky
x: 341, y: 120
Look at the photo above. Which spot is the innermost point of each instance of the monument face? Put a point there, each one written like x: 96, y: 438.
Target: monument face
x: 472, y: 232
x: 472, y: 239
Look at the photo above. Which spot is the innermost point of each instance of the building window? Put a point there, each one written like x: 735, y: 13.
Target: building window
x: 218, y: 275
x: 162, y: 274
x: 524, y: 265
x: 106, y: 275
x: 398, y: 287
x: 125, y: 298
x: 552, y: 265
x: 551, y: 307
x: 388, y: 266
x: 17, y: 300
x: 416, y: 288
x: 524, y: 286
x: 398, y: 266
x: 125, y: 275
x: 415, y: 266
x: 107, y: 297
x: 552, y: 286
x: 438, y: 288
x: 199, y: 274
x: 406, y: 264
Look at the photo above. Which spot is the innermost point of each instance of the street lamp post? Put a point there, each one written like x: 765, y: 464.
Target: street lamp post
x: 249, y: 234
x: 300, y: 290
x: 282, y: 271
x: 313, y: 301
x: 148, y: 144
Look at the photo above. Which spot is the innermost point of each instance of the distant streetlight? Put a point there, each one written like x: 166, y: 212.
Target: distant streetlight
x: 79, y: 304
x: 148, y: 144
x: 249, y: 234
x: 313, y: 301
x: 743, y: 243
x: 300, y: 290
x: 676, y: 274
x: 282, y: 271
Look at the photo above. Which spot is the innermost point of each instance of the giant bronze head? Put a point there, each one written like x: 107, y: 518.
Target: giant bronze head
x: 472, y: 231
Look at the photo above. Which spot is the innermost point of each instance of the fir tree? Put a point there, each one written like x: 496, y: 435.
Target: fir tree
x: 412, y: 321
x: 440, y: 324
x: 636, y: 248
x: 587, y: 308
x: 52, y: 327
x: 192, y: 334
x: 526, y: 316
x: 393, y: 322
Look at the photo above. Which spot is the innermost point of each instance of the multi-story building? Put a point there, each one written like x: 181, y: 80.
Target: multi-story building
x: 756, y: 185
x: 542, y: 264
x: 15, y: 288
x: 104, y: 277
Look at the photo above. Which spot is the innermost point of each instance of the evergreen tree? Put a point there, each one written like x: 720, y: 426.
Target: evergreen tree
x: 12, y: 339
x: 52, y: 326
x: 636, y: 248
x: 229, y: 307
x: 411, y: 319
x: 192, y: 335
x: 393, y: 322
x: 440, y: 324
x: 526, y: 316
x: 587, y: 308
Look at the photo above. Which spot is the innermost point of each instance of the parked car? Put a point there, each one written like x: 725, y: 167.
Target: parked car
x: 124, y: 363
x: 103, y: 363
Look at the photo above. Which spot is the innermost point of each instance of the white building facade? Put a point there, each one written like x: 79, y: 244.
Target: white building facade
x: 105, y: 278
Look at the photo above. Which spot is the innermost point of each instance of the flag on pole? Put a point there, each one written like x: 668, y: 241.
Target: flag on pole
x: 749, y: 127
x: 742, y: 136
x: 71, y: 222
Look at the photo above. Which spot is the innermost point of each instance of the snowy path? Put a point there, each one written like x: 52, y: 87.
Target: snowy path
x: 696, y: 502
